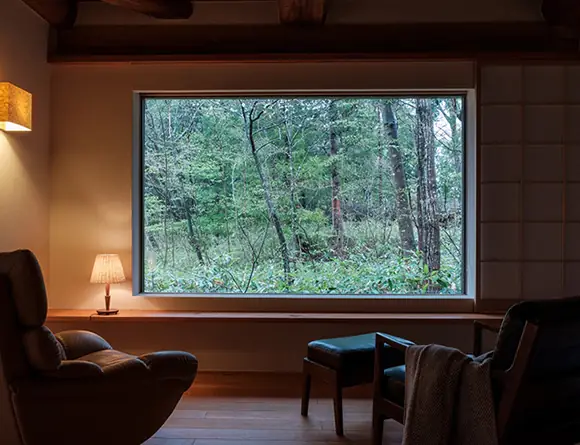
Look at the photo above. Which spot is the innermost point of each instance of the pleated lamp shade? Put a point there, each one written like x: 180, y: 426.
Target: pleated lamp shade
x: 107, y: 269
x: 15, y: 108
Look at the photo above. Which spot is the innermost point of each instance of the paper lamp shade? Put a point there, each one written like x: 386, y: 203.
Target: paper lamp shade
x: 107, y: 269
x: 15, y: 108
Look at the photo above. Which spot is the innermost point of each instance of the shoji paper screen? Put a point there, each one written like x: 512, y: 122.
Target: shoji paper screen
x: 530, y: 183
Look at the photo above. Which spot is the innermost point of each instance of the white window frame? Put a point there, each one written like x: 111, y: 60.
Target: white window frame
x: 397, y: 302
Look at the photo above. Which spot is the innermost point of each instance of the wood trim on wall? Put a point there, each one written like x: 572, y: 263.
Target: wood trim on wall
x: 85, y: 44
x: 126, y: 316
x: 58, y: 13
x: 499, y: 306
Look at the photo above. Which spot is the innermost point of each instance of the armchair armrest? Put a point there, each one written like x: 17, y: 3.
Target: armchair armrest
x: 77, y: 369
x: 77, y: 344
x: 171, y: 365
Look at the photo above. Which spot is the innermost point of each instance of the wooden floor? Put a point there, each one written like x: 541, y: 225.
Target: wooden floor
x: 261, y: 421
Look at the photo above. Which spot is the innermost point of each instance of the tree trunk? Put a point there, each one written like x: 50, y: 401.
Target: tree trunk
x: 427, y: 220
x: 452, y: 111
x: 193, y: 240
x: 404, y: 220
x: 272, y: 212
x: 456, y: 115
x: 225, y: 197
x: 337, y: 222
x: 381, y: 163
x: 166, y: 212
x: 456, y: 140
x: 291, y: 181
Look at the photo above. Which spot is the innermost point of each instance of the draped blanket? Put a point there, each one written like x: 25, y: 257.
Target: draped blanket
x: 448, y: 398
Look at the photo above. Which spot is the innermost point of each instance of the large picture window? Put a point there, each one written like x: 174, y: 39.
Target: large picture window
x: 344, y: 195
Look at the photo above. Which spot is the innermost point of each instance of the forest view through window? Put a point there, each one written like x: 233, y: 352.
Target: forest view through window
x: 303, y: 195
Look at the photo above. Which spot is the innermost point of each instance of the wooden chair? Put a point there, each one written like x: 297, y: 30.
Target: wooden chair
x: 339, y: 363
x: 535, y: 375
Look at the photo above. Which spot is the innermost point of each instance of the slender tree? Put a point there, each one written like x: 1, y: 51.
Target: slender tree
x: 188, y: 209
x: 454, y: 117
x: 451, y: 110
x: 390, y: 127
x: 250, y: 118
x: 337, y: 220
x: 381, y: 161
x: 176, y: 189
x: 288, y: 136
x: 427, y: 212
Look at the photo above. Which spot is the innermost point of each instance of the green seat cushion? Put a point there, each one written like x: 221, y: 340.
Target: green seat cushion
x: 353, y: 356
x: 393, y: 384
x: 339, y: 353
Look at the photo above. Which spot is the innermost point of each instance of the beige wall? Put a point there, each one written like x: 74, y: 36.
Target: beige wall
x: 92, y: 110
x: 24, y: 157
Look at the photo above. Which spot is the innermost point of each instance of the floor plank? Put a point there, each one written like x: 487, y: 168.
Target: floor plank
x: 157, y: 441
x: 244, y: 424
x: 251, y: 442
x: 324, y: 414
x: 268, y: 421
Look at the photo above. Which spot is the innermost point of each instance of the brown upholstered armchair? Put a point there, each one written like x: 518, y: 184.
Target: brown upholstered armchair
x: 73, y: 387
x: 535, y: 375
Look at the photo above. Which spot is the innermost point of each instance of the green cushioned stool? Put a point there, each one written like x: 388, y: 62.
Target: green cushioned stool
x: 341, y: 363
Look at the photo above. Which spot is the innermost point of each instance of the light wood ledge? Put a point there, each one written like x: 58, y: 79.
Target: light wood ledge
x: 74, y: 315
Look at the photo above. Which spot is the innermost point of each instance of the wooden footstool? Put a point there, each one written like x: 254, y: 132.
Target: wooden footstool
x: 341, y: 363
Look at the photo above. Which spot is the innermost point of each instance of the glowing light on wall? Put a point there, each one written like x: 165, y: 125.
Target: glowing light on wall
x: 15, y: 108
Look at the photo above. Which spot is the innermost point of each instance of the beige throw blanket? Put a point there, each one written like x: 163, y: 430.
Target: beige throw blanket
x: 448, y: 398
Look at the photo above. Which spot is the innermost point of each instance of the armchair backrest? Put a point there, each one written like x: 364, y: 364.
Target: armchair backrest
x: 557, y: 347
x: 546, y: 402
x: 23, y: 308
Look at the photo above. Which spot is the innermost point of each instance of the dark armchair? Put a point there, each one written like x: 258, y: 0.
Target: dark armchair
x: 73, y: 387
x: 535, y: 372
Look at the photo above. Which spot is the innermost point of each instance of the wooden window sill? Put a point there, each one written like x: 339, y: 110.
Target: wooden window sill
x: 72, y: 315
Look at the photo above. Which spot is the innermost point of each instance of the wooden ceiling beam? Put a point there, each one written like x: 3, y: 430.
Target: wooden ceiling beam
x: 562, y: 13
x: 202, y: 1
x: 330, y: 42
x: 302, y: 12
x: 58, y: 13
x: 160, y: 9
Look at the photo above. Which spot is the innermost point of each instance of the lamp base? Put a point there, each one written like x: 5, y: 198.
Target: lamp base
x: 107, y: 311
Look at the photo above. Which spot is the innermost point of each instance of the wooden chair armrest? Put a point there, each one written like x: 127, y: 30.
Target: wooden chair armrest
x: 382, y: 339
x: 478, y: 328
x: 488, y: 326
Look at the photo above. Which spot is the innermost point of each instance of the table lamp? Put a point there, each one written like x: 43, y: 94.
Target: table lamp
x: 107, y: 269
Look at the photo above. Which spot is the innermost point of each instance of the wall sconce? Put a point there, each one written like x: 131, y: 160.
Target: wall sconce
x: 15, y: 108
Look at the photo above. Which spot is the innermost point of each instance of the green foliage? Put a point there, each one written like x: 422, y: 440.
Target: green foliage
x: 208, y: 228
x: 357, y: 275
